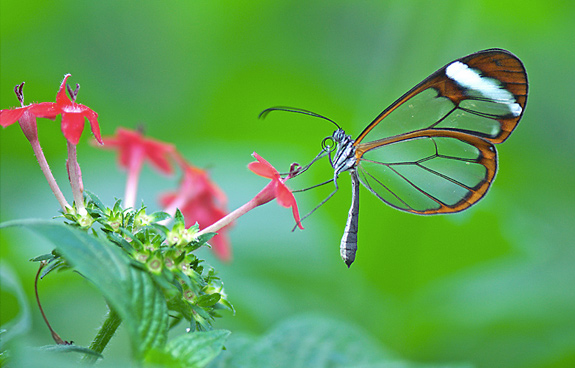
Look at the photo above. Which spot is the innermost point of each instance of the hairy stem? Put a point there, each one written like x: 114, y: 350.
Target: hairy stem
x: 106, y: 332
x: 75, y: 176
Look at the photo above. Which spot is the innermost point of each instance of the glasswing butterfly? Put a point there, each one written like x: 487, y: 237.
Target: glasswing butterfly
x: 431, y: 151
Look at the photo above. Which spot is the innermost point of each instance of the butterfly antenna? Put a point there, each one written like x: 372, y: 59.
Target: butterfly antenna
x: 264, y: 113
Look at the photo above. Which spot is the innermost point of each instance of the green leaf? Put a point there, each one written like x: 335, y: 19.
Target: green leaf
x: 208, y: 300
x: 179, y: 222
x: 95, y: 199
x: 130, y: 291
x: 202, y: 239
x: 55, y: 264
x: 195, y: 349
x: 310, y: 342
x: 23, y: 321
x: 43, y: 257
x: 159, y: 216
x: 70, y: 349
x: 22, y: 355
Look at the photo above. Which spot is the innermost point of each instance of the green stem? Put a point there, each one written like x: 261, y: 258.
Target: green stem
x: 103, y: 337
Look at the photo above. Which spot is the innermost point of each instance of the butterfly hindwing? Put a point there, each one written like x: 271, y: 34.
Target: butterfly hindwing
x: 430, y: 174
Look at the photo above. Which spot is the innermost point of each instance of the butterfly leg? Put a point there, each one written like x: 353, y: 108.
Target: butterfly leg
x: 304, y: 168
x: 322, y: 202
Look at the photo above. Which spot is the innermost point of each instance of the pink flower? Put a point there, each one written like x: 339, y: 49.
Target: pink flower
x: 276, y: 188
x: 134, y: 149
x: 201, y: 201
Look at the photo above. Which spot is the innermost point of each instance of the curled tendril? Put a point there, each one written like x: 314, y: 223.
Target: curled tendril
x: 328, y: 144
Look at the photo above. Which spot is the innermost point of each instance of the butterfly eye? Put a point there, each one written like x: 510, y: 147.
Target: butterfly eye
x: 328, y: 144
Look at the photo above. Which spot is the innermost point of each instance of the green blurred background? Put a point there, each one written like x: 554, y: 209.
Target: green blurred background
x: 493, y: 286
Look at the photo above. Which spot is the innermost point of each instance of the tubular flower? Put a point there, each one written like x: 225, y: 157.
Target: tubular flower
x: 276, y: 188
x: 201, y: 201
x: 134, y: 149
x: 73, y: 115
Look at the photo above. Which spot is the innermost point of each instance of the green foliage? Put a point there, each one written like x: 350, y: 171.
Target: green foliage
x: 21, y: 323
x: 191, y: 350
x: 311, y: 342
x: 492, y: 286
x: 143, y: 269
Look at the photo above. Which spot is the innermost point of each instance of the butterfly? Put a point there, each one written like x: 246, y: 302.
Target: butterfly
x: 433, y: 150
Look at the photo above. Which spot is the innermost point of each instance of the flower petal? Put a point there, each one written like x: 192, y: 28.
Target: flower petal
x: 47, y: 110
x: 203, y: 210
x: 159, y: 155
x: 10, y: 116
x: 92, y: 117
x: 121, y: 142
x: 262, y: 167
x: 295, y: 212
x: 285, y: 198
x: 62, y: 98
x: 72, y: 126
x: 221, y: 245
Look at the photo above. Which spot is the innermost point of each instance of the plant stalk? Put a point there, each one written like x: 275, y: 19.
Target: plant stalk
x: 107, y: 331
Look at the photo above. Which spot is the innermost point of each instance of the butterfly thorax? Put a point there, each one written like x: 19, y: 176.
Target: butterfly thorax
x: 344, y: 158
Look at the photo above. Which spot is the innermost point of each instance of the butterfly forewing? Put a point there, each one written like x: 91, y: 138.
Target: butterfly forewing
x: 482, y: 94
x: 432, y: 150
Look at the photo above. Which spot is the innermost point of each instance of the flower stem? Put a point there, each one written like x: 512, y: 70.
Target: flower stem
x: 75, y: 176
x: 264, y: 196
x: 229, y: 218
x: 135, y: 166
x: 103, y: 337
x: 48, y: 174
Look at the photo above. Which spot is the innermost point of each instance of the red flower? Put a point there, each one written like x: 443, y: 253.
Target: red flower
x: 134, y: 149
x: 276, y: 188
x: 38, y: 110
x: 73, y: 114
x: 201, y: 201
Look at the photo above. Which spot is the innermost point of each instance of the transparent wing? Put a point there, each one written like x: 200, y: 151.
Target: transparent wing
x: 432, y: 150
x: 482, y: 94
x: 430, y: 173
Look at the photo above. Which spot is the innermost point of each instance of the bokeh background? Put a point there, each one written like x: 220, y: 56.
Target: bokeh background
x: 493, y: 286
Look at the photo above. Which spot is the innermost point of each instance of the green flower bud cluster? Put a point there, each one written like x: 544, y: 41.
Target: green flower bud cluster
x: 193, y: 290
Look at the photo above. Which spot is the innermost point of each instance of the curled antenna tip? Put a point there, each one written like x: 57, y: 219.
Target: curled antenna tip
x: 264, y: 113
